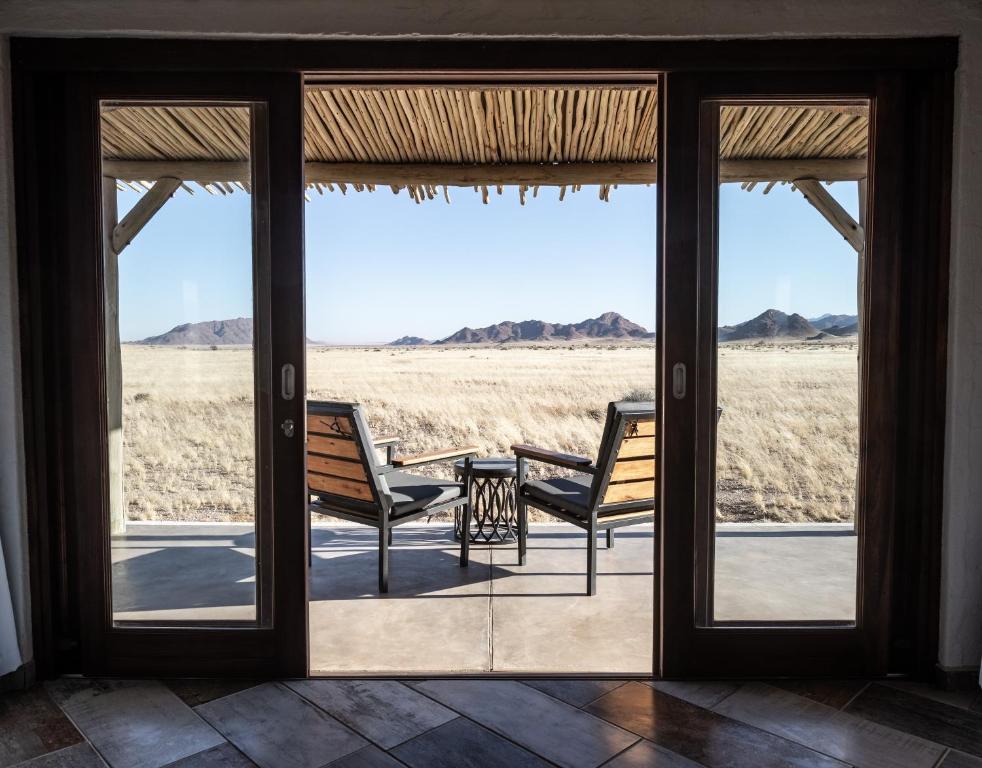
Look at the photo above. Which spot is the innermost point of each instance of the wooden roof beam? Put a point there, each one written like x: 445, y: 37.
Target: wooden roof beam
x: 144, y: 210
x: 835, y: 214
x: 529, y: 174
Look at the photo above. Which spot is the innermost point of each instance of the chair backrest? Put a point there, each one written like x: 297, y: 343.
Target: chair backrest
x: 626, y: 463
x: 341, y: 460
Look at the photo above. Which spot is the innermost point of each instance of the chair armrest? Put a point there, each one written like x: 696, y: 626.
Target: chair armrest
x: 389, y: 443
x: 566, y: 460
x: 433, y: 456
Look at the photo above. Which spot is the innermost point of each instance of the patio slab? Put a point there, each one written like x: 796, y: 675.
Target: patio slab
x: 493, y: 616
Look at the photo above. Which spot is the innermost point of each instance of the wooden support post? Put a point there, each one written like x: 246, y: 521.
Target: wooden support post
x: 860, y: 303
x: 116, y: 235
x: 114, y: 366
x: 835, y: 214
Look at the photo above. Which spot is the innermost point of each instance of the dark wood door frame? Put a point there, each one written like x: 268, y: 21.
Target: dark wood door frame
x: 902, y: 424
x: 43, y: 69
x: 74, y: 405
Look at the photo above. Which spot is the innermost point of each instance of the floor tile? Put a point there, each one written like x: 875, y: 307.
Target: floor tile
x: 133, y: 723
x: 967, y: 699
x: 436, y: 617
x: 31, y: 725
x: 78, y: 756
x: 852, y: 739
x: 834, y: 693
x: 700, y: 734
x: 383, y: 711
x: 463, y: 744
x: 701, y: 693
x: 544, y: 600
x: 195, y: 691
x: 276, y: 728
x: 579, y: 693
x: 645, y: 754
x: 954, y: 727
x: 367, y: 757
x: 956, y: 759
x: 224, y: 756
x: 550, y: 728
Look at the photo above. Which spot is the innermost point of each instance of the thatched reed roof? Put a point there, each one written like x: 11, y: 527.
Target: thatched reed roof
x: 423, y: 138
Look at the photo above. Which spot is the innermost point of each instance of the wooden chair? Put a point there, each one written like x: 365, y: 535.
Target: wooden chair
x: 346, y: 480
x: 618, y: 490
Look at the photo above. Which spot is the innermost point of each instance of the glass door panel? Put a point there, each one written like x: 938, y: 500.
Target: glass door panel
x: 789, y: 334
x: 181, y: 363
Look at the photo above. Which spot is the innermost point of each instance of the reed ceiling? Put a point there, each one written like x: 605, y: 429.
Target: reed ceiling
x: 613, y: 129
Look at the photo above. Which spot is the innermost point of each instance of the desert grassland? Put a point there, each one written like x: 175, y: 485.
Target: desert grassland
x: 787, y: 440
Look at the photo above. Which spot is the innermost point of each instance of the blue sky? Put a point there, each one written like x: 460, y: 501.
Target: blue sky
x: 426, y: 270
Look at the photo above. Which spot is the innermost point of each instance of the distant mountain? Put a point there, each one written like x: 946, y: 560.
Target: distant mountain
x: 409, y: 341
x: 209, y: 333
x: 609, y: 325
x: 833, y: 321
x: 770, y: 324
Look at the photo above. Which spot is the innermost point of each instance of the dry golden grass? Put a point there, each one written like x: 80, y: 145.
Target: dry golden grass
x: 787, y: 440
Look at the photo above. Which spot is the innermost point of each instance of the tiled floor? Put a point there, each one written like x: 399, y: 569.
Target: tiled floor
x: 492, y: 616
x: 460, y: 723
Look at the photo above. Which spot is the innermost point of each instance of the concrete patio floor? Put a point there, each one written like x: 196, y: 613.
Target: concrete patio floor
x: 493, y: 616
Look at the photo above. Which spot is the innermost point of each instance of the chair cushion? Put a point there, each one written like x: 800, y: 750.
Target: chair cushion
x: 411, y: 493
x: 573, y: 495
x: 570, y: 493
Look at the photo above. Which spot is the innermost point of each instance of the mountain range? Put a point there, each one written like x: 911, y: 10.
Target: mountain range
x: 774, y: 324
x: 609, y: 325
x: 210, y: 333
x: 770, y: 324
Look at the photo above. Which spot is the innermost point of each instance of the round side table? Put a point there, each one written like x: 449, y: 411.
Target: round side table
x: 492, y: 501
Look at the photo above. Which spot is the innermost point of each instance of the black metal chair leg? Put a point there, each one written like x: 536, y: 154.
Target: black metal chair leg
x: 465, y: 534
x: 591, y: 561
x: 521, y: 509
x: 610, y: 538
x: 523, y: 531
x: 390, y: 536
x: 383, y: 560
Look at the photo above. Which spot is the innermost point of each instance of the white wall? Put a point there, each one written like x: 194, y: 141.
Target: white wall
x: 961, y: 630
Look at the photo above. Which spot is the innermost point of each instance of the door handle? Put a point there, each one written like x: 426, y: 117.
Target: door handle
x: 288, y: 381
x: 287, y: 427
x: 678, y: 380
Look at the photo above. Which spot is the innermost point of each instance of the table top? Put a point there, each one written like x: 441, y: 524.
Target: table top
x: 489, y: 467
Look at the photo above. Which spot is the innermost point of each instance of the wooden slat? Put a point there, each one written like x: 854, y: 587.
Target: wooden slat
x: 334, y: 426
x: 339, y: 487
x: 633, y: 491
x: 634, y: 447
x: 329, y: 465
x: 332, y: 446
x: 633, y: 469
x: 627, y: 515
x: 639, y: 429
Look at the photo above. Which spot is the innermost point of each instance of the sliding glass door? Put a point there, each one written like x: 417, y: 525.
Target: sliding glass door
x: 779, y: 345
x: 195, y: 458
